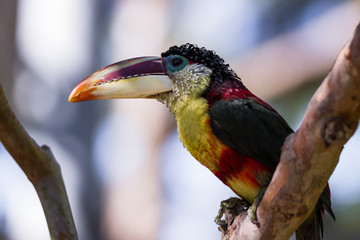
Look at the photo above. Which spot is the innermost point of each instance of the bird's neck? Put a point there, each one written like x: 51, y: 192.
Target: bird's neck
x: 229, y: 90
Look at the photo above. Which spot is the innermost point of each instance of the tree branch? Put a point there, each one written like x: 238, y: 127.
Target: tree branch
x: 42, y: 169
x: 310, y: 155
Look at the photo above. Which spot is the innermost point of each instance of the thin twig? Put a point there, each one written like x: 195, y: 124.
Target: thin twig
x: 43, y: 171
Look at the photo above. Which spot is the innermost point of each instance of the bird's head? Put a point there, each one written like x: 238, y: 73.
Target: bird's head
x: 180, y: 73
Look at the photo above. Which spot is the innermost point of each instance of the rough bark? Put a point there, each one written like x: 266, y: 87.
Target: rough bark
x: 43, y: 171
x: 310, y: 155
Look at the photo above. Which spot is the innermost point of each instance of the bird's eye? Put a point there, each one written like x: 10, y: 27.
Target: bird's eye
x: 176, y: 62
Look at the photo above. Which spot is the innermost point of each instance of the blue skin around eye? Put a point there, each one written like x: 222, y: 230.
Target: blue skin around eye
x: 171, y: 68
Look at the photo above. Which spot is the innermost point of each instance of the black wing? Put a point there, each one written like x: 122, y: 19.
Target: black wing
x: 250, y: 128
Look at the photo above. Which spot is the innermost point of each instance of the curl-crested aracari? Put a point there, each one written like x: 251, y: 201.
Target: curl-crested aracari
x: 220, y: 122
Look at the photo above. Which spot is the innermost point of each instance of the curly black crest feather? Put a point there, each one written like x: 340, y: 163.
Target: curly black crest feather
x: 220, y: 70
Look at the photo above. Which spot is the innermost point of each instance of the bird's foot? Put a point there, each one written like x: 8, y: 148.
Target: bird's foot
x: 252, y: 214
x: 229, y: 208
x: 254, y: 206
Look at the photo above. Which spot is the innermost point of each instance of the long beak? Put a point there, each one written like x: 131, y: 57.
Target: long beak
x: 142, y: 77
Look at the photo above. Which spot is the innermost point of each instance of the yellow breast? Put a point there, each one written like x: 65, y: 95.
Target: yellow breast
x: 239, y: 172
x: 195, y: 133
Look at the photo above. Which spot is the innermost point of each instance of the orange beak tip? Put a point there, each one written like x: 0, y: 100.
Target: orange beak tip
x: 74, y: 96
x: 82, y: 91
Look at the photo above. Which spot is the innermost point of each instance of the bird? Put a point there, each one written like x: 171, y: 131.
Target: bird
x: 224, y: 126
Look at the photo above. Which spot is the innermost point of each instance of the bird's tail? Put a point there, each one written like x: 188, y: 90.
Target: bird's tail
x: 312, y: 228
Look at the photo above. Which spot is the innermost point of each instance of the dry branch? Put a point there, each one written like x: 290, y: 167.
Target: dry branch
x: 310, y: 155
x: 43, y: 171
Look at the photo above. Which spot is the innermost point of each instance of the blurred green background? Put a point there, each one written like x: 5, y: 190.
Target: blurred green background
x: 127, y: 175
